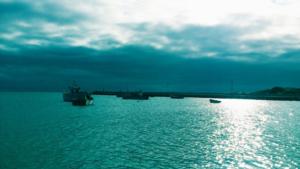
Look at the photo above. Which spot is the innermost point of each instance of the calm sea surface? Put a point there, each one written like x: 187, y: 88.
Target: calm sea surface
x: 39, y: 131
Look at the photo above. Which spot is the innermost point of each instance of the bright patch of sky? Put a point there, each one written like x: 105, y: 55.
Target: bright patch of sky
x: 277, y: 18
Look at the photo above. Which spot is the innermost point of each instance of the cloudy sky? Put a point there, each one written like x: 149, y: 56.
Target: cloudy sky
x: 190, y: 45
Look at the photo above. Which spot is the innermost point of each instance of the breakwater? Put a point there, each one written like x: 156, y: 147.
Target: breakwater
x: 181, y: 95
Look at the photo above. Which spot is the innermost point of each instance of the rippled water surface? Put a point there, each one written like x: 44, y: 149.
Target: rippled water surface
x: 38, y: 130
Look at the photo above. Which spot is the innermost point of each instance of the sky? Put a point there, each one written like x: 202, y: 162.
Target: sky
x: 154, y: 45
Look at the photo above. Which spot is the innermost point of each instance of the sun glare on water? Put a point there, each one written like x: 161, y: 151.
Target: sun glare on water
x: 240, y: 128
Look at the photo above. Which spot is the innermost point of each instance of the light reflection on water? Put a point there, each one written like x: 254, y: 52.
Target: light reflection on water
x: 240, y: 134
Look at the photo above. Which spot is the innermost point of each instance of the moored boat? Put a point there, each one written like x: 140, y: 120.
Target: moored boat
x: 134, y: 96
x: 77, y: 97
x: 214, y: 101
x: 176, y: 97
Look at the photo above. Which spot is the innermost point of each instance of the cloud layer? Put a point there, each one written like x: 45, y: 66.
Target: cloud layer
x: 150, y: 43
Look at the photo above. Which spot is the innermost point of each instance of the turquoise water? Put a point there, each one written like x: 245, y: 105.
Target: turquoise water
x: 38, y: 130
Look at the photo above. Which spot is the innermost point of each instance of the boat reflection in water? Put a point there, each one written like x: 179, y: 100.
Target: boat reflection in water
x: 77, y: 97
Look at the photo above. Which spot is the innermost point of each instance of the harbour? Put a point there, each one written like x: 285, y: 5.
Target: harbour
x: 112, y: 84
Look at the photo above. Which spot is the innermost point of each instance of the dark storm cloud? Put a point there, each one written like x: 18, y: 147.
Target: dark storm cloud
x: 24, y: 23
x: 135, y: 67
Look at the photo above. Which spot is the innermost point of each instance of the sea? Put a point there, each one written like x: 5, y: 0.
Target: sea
x: 40, y: 131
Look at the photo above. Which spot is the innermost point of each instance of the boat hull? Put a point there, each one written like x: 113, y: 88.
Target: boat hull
x: 78, y: 99
x: 214, y: 101
x: 81, y: 102
x: 70, y: 97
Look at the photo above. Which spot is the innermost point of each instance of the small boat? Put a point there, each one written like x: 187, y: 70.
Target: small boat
x: 214, y: 101
x: 77, y: 97
x: 176, y: 97
x: 134, y: 96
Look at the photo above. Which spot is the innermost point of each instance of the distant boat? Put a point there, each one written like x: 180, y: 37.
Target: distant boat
x: 177, y: 97
x: 134, y: 96
x: 214, y: 101
x: 77, y: 97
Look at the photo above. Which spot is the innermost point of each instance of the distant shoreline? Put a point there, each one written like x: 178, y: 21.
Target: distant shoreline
x: 275, y: 93
x: 181, y: 95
